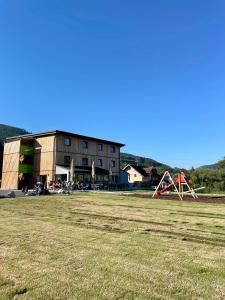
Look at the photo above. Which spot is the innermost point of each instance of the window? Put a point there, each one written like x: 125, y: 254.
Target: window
x: 100, y: 147
x: 87, y: 177
x: 66, y: 160
x: 115, y: 178
x: 84, y: 161
x: 113, y: 149
x: 99, y: 178
x: 113, y: 163
x: 84, y: 144
x: 99, y: 162
x: 67, y: 141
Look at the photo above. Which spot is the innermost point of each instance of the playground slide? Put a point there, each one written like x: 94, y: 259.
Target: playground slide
x: 159, y: 192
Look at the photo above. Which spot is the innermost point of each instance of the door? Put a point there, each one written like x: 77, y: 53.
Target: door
x: 43, y: 179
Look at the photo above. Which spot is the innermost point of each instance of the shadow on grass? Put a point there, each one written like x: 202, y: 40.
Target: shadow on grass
x: 165, y: 233
x: 188, y: 237
x: 112, y: 218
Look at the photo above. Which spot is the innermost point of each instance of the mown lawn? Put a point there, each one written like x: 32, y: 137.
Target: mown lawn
x: 107, y: 246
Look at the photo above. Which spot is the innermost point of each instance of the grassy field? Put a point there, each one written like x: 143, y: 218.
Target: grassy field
x: 108, y: 246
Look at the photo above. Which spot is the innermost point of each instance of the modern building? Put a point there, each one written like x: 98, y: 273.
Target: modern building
x: 138, y: 174
x: 47, y: 157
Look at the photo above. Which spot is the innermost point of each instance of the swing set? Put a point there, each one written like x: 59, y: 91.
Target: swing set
x: 180, y: 185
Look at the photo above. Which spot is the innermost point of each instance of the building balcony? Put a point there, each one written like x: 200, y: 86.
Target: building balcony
x: 25, y: 168
x: 27, y: 150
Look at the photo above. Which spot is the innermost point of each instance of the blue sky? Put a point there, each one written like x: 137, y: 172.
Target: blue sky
x: 148, y: 73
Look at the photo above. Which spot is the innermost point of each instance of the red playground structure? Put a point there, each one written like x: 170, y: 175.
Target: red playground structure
x: 180, y: 185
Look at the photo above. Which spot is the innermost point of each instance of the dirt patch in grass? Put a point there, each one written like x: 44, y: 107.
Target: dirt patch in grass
x: 201, y: 198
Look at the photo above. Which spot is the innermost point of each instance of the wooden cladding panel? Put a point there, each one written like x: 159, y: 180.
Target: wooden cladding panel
x: 44, y: 144
x: 10, y: 180
x: 10, y: 165
x: 12, y: 147
x: 10, y: 162
x: 43, y: 161
x: 44, y: 155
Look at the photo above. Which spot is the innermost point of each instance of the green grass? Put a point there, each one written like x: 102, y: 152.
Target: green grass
x: 108, y: 246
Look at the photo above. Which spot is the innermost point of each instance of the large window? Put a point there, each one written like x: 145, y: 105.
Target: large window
x: 84, y: 144
x: 87, y: 177
x: 99, y: 162
x: 84, y: 161
x: 113, y: 149
x: 67, y: 141
x: 67, y: 160
x: 100, y: 178
x: 113, y: 163
x: 100, y: 147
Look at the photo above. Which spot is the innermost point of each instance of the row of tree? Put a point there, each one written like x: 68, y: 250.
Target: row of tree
x: 212, y: 179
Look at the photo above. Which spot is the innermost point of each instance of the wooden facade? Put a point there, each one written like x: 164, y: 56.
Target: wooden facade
x: 44, y: 157
x: 10, y: 171
x: 56, y: 148
x: 76, y: 152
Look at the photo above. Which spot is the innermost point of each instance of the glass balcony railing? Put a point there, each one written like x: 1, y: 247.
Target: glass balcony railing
x: 27, y: 150
x: 25, y: 168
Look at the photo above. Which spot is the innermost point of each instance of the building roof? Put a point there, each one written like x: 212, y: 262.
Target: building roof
x: 137, y: 168
x: 149, y: 170
x: 65, y: 133
x: 141, y: 170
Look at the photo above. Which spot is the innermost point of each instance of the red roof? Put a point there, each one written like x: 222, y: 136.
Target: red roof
x: 148, y: 170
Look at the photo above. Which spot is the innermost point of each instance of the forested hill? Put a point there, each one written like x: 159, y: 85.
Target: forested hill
x: 126, y: 158
x: 7, y: 131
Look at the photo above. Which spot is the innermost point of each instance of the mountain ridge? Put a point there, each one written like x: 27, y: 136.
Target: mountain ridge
x: 214, y: 166
x: 128, y: 158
